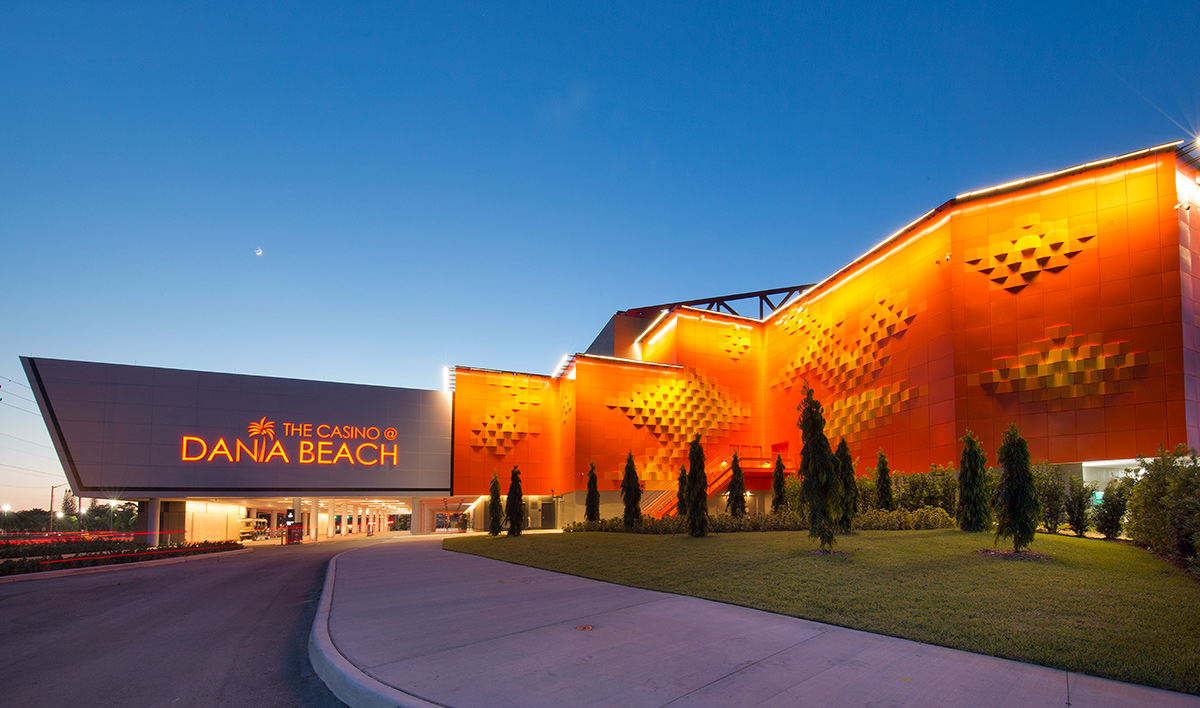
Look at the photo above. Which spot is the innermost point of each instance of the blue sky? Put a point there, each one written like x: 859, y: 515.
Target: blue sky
x: 485, y: 184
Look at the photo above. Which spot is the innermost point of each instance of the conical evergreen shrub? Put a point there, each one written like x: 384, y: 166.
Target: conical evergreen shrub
x: 681, y: 493
x: 631, y: 494
x: 495, y: 511
x: 1016, y: 501
x: 974, y: 509
x: 591, y: 505
x: 883, y: 484
x: 844, y: 464
x: 778, y: 487
x: 820, y: 485
x: 735, y: 503
x: 514, y: 505
x: 697, y: 508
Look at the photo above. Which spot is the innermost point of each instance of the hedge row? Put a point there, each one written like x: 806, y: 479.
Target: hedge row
x: 899, y: 519
x: 36, y: 565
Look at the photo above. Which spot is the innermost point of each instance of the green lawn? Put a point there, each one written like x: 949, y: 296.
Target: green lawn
x: 1097, y: 607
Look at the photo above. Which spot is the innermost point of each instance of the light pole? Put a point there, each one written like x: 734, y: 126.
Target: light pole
x: 51, y: 510
x: 112, y: 503
x: 6, y: 509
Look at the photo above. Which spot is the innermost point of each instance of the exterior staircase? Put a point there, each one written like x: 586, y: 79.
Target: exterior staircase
x: 718, y: 472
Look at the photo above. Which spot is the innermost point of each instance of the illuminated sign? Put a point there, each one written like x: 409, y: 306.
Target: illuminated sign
x: 140, y: 431
x: 314, y: 445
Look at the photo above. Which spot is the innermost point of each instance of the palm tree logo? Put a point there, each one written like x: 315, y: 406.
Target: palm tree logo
x: 265, y: 429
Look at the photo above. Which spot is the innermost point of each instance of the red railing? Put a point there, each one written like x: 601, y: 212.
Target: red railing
x: 718, y: 472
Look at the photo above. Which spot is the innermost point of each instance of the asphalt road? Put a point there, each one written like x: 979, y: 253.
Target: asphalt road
x: 215, y: 631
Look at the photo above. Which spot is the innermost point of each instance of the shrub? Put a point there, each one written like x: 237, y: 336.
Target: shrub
x: 514, y: 504
x: 1078, y: 504
x: 784, y: 520
x: 974, y: 513
x: 820, y: 483
x: 495, y: 511
x: 1015, y: 501
x: 937, y: 487
x: 697, y: 502
x: 592, y: 501
x: 866, y: 493
x: 927, y: 517
x: 843, y: 465
x: 793, y: 501
x: 1164, y: 508
x: 1112, y: 508
x: 883, y: 484
x: 631, y: 493
x: 1048, y: 480
x: 735, y: 500
x: 777, y: 485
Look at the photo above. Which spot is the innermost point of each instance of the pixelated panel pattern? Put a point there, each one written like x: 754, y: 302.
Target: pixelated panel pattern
x: 1016, y: 257
x: 499, y: 428
x: 1067, y: 370
x: 736, y: 345
x: 675, y: 411
x: 841, y: 361
x: 854, y: 415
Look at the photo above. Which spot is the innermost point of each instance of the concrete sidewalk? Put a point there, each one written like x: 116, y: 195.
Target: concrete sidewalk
x: 407, y: 623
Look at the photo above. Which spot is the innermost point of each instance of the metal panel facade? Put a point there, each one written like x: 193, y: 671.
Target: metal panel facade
x: 139, y: 431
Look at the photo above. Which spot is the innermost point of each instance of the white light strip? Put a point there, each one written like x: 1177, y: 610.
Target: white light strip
x: 718, y: 313
x: 629, y: 362
x: 1085, y: 166
x: 661, y: 315
x: 883, y: 257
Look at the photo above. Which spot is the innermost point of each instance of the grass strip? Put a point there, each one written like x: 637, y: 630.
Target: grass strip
x: 1095, y: 607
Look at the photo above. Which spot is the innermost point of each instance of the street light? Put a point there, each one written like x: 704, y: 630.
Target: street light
x: 112, y: 503
x: 6, y: 508
x: 50, y: 511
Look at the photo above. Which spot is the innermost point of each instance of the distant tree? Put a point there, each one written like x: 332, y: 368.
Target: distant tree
x: 1048, y: 480
x: 697, y: 502
x: 96, y: 516
x: 1079, y: 504
x: 514, y: 504
x: 883, y: 484
x: 974, y: 510
x: 631, y: 494
x: 820, y: 486
x: 592, y: 502
x: 1015, y: 501
x: 735, y: 503
x: 777, y: 486
x: 681, y: 493
x: 844, y: 465
x: 1112, y: 508
x: 495, y: 511
x: 70, y: 505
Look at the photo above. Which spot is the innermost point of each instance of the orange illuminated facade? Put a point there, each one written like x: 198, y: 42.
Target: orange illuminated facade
x: 1067, y: 303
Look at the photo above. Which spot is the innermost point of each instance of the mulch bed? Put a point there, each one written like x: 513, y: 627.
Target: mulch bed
x: 820, y: 552
x: 1013, y: 555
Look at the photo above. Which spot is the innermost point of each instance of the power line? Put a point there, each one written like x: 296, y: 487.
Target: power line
x: 27, y: 469
x: 14, y: 437
x: 10, y: 393
x: 2, y: 403
x: 26, y: 452
x: 16, y: 382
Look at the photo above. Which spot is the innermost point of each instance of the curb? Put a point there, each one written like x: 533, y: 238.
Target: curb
x: 349, y: 683
x: 117, y: 566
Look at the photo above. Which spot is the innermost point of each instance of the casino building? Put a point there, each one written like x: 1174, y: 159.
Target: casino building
x: 1066, y: 303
